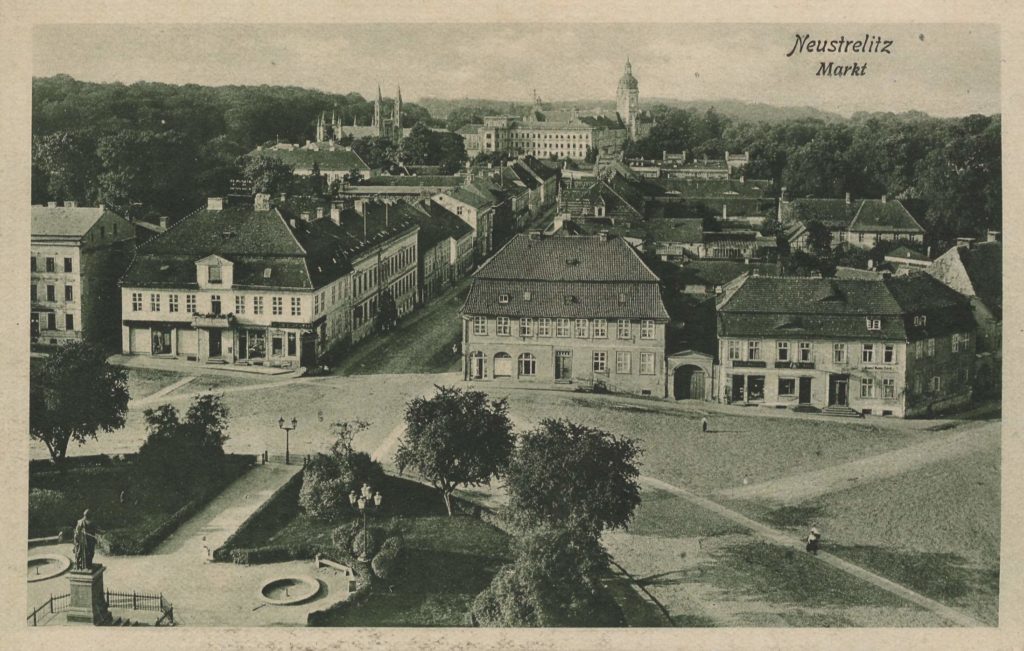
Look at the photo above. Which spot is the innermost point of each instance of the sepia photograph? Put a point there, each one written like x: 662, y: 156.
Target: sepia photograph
x: 497, y: 325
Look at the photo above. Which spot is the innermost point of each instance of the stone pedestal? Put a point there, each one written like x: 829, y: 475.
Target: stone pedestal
x: 88, y: 603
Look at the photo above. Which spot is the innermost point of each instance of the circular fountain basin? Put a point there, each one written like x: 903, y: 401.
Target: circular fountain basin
x: 47, y: 566
x: 287, y: 590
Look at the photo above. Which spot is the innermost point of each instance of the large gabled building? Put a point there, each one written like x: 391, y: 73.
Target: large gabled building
x: 579, y: 311
x: 862, y: 223
x: 260, y: 284
x: 897, y: 346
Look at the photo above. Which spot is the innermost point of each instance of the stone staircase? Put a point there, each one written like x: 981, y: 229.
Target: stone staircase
x: 841, y: 412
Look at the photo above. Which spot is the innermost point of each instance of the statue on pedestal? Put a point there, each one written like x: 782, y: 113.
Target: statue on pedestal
x: 85, y: 542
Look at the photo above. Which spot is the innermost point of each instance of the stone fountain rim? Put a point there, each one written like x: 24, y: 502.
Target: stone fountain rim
x: 309, y: 582
x: 63, y: 565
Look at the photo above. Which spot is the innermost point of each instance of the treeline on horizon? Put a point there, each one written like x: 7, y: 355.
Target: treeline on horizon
x: 161, y: 148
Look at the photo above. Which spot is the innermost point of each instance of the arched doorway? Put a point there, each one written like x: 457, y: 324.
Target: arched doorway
x: 688, y: 383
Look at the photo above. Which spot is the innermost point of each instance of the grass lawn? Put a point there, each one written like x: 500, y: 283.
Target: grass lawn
x: 448, y: 561
x: 97, y: 487
x: 143, y: 382
x: 739, y: 446
x: 422, y: 342
x: 934, y: 529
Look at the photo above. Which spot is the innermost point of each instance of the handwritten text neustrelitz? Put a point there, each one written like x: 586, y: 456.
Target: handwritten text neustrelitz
x: 869, y: 44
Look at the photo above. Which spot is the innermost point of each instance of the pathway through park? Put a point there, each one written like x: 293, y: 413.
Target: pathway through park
x: 206, y: 593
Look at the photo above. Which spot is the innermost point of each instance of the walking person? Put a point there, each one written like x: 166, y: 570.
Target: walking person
x: 704, y: 425
x: 814, y: 541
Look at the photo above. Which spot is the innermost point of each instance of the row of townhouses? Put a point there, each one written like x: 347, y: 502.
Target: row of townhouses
x: 586, y: 311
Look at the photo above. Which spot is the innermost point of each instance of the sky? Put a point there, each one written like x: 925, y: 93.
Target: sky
x: 944, y: 70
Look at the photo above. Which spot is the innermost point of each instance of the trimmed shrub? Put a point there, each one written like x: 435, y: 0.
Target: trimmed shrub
x: 328, y: 479
x: 342, y: 536
x: 273, y: 554
x: 387, y: 564
x: 374, y: 537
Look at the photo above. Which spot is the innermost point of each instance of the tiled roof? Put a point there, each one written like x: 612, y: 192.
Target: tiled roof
x: 984, y: 265
x: 834, y: 213
x: 310, y: 255
x: 340, y: 159
x: 875, y: 215
x: 718, y: 272
x: 713, y: 188
x: 64, y: 222
x: 573, y: 300
x: 689, y: 231
x: 436, y: 224
x: 906, y: 253
x: 471, y: 198
x: 567, y: 259
x: 537, y: 167
x: 837, y: 308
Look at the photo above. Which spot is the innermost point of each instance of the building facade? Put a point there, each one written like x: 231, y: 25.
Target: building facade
x: 78, y: 254
x: 581, y: 311
x: 332, y: 161
x: 892, y: 347
x: 262, y: 285
x: 861, y: 223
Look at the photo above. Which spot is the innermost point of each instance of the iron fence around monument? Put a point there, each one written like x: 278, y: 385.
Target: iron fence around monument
x: 55, y: 604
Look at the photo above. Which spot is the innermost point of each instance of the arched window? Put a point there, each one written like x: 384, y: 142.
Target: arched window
x: 477, y: 365
x: 527, y: 365
x: 502, y: 365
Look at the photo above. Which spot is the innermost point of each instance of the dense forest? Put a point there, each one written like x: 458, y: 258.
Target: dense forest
x: 149, y: 147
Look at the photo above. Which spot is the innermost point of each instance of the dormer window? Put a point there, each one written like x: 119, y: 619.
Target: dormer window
x: 622, y: 298
x: 920, y: 320
x: 503, y: 298
x: 527, y: 296
x: 214, y: 276
x: 266, y: 272
x: 874, y: 324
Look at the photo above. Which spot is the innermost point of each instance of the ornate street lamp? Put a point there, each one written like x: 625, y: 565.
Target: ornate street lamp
x: 365, y: 500
x: 287, y: 432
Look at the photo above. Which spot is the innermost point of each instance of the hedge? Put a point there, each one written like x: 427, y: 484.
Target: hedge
x: 320, y: 617
x: 274, y: 553
x: 387, y: 564
x: 223, y: 554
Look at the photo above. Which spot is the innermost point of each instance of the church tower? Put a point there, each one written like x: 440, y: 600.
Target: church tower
x: 396, y: 121
x: 378, y: 121
x: 628, y: 100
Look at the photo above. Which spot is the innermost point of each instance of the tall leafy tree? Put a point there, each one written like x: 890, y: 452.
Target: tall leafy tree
x: 267, y: 174
x: 184, y: 453
x: 73, y: 394
x: 569, y: 475
x: 455, y: 438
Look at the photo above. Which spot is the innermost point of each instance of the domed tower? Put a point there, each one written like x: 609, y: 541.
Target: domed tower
x: 628, y: 100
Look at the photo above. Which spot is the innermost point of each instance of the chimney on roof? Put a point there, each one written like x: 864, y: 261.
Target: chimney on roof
x: 291, y: 222
x: 884, y: 198
x: 743, y: 179
x: 535, y: 235
x: 725, y: 211
x: 163, y: 222
x: 991, y: 235
x: 848, y: 198
x: 319, y: 212
x: 336, y: 214
x: 360, y: 206
x: 215, y: 203
x: 261, y: 202
x: 304, y: 215
x: 70, y: 204
x: 755, y: 272
x: 51, y: 204
x: 602, y: 235
x: 871, y: 264
x: 664, y: 154
x: 965, y: 242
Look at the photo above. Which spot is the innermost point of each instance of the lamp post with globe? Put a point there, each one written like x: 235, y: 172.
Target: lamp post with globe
x: 365, y: 500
